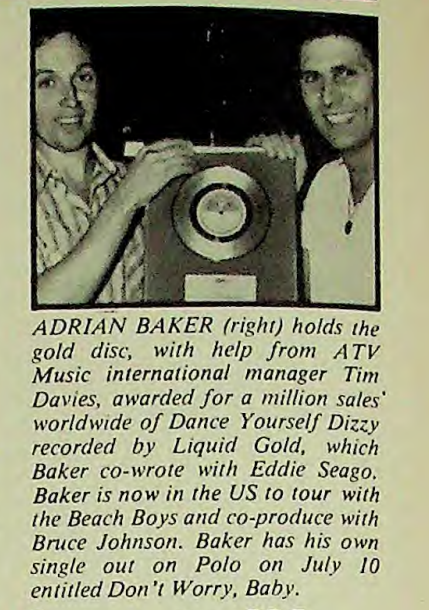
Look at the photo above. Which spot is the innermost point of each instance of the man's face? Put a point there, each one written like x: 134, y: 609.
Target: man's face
x: 337, y: 88
x: 65, y: 93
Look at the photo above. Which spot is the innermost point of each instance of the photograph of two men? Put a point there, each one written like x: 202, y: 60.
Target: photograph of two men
x: 203, y: 156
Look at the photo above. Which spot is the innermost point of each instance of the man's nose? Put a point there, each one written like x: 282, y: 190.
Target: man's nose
x: 69, y: 95
x: 330, y: 92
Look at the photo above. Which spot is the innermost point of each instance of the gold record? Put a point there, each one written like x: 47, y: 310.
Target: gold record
x: 221, y: 213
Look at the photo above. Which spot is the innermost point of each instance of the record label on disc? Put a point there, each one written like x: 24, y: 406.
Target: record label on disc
x: 221, y: 213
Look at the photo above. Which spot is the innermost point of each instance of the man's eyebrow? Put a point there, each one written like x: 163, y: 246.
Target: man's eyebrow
x: 354, y: 66
x: 44, y: 71
x: 347, y: 64
x: 85, y: 64
x: 306, y: 71
x: 341, y: 65
x: 344, y: 66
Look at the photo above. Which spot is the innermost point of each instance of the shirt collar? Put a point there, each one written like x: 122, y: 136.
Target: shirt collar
x: 104, y: 167
x: 371, y: 188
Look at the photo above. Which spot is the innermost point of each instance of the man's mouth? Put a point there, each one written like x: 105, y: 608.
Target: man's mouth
x: 72, y: 120
x: 339, y: 118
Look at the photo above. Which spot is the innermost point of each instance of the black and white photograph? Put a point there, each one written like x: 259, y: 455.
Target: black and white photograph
x: 195, y: 156
x: 214, y: 319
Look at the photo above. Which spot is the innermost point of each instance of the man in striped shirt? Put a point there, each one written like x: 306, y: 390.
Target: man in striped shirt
x: 90, y: 238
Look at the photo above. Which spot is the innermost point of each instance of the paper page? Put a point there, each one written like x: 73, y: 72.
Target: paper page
x: 261, y: 456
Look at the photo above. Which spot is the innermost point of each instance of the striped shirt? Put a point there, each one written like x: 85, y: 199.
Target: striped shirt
x: 63, y: 218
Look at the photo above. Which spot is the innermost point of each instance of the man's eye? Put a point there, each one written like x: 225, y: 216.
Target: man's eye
x: 86, y: 78
x: 309, y: 78
x: 46, y: 83
x: 345, y: 72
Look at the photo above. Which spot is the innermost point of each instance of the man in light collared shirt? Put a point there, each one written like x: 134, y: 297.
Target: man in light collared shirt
x: 336, y: 66
x: 90, y: 241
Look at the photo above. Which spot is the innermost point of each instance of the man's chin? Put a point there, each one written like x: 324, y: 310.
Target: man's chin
x: 72, y: 148
x: 68, y: 145
x: 349, y: 145
x: 344, y: 140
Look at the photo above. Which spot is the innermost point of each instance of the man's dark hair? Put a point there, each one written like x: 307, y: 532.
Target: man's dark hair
x: 46, y: 24
x: 361, y: 29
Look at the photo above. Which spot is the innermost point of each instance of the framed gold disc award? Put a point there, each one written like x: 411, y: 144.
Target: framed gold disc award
x: 228, y: 233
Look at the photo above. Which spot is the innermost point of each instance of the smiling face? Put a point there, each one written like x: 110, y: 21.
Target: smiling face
x: 65, y: 93
x: 337, y: 88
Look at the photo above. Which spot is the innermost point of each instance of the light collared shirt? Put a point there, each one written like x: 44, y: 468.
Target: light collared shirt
x: 63, y: 218
x: 341, y: 261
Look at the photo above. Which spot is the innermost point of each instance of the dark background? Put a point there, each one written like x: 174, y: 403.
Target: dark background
x: 192, y: 72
